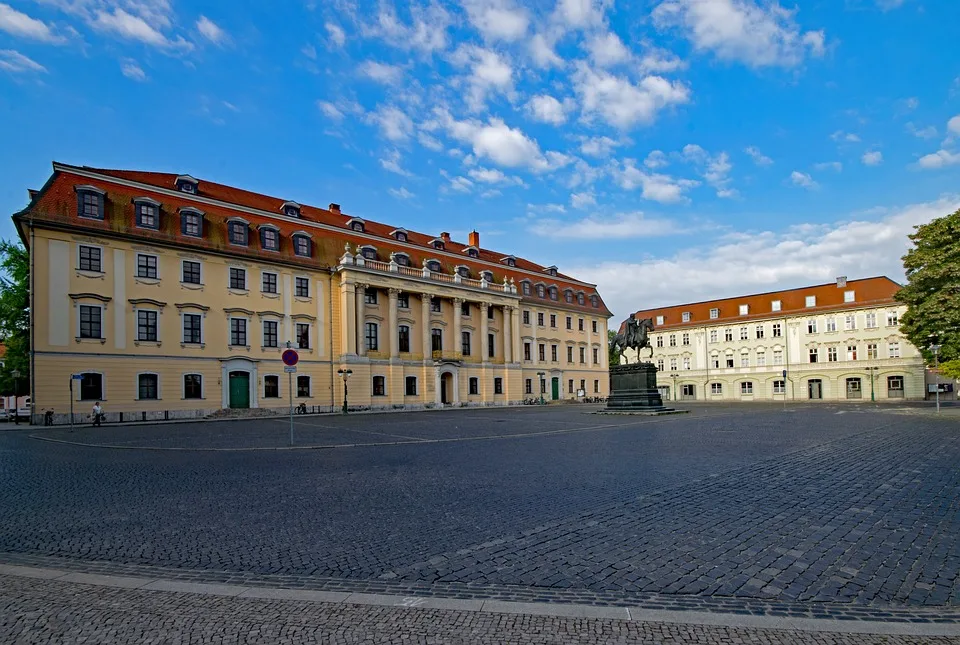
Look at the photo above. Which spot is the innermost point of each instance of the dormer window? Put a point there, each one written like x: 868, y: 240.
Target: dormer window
x: 472, y: 252
x: 191, y: 222
x: 553, y: 293
x: 595, y: 301
x: 568, y: 296
x: 238, y: 232
x: 186, y: 184
x: 148, y: 212
x: 433, y: 265
x: 302, y: 245
x: 487, y: 275
x: 401, y: 259
x: 90, y: 202
x: 438, y: 244
x: 463, y: 271
x: 356, y: 224
x: 291, y: 209
x: 269, y: 238
x: 368, y: 252
x: 541, y: 290
x: 510, y: 261
x: 525, y: 286
x: 580, y: 299
x: 551, y: 271
x: 400, y: 234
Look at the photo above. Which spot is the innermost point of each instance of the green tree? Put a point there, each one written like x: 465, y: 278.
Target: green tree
x: 932, y: 293
x: 15, y: 316
x: 614, y: 356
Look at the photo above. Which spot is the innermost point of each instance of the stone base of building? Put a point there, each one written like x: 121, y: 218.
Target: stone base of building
x: 633, y: 388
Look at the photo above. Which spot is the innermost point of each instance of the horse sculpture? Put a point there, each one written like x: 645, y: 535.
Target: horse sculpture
x: 634, y: 334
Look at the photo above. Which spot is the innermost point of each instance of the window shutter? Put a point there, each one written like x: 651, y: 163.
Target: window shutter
x: 262, y: 239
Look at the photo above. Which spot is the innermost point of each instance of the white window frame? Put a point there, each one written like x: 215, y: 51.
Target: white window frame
x: 136, y: 265
x: 893, y: 349
x: 296, y: 385
x: 716, y: 389
x: 810, y: 301
x: 812, y: 326
x: 264, y: 272
x: 761, y: 359
x: 192, y: 284
x: 230, y: 320
x: 102, y: 259
x: 136, y: 385
x: 778, y: 357
x: 309, y: 295
x: 893, y: 318
x: 263, y: 336
x: 183, y: 385
x: 686, y: 316
x: 830, y: 325
x: 136, y: 323
x: 203, y: 331
x: 870, y: 320
x: 686, y: 362
x: 659, y: 320
x: 713, y: 335
x: 744, y: 333
x: 246, y: 279
x: 714, y: 313
x: 744, y: 310
x: 849, y: 296
x: 782, y: 388
x: 263, y: 387
x: 296, y: 336
x: 776, y: 305
x: 850, y: 322
x: 103, y: 319
x: 746, y: 388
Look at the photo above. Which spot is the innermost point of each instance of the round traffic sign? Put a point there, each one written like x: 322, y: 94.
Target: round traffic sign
x: 290, y: 357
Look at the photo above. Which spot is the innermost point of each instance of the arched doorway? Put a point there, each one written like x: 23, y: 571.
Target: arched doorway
x: 239, y: 383
x: 239, y: 389
x: 446, y: 388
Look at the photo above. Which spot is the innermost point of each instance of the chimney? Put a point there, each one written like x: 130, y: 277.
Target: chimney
x: 841, y: 281
x: 334, y: 208
x: 474, y: 239
x: 445, y: 237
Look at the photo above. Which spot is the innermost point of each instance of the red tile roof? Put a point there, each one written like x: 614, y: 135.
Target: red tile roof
x: 57, y: 202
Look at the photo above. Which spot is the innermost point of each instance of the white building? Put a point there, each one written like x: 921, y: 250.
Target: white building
x: 832, y: 341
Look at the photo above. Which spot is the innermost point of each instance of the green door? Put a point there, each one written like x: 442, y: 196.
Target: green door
x: 556, y: 388
x: 239, y: 390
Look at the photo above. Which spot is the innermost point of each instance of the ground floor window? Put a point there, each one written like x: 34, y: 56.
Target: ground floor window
x: 746, y: 387
x: 148, y: 386
x: 569, y: 386
x: 688, y: 391
x: 853, y: 388
x: 596, y: 386
x: 410, y: 386
x: 303, y: 387
x: 474, y: 385
x: 895, y: 387
x: 716, y: 388
x: 498, y: 385
x: 91, y: 387
x: 583, y: 385
x: 271, y: 387
x: 528, y: 386
x: 780, y: 387
x: 379, y: 386
x: 192, y: 386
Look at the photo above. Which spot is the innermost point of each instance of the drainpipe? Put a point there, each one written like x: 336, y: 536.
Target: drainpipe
x: 33, y: 371
x: 333, y: 402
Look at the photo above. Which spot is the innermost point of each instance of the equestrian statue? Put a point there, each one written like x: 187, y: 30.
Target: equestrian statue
x: 634, y: 334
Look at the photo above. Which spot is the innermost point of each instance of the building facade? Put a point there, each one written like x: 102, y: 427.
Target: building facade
x: 837, y: 341
x: 171, y: 297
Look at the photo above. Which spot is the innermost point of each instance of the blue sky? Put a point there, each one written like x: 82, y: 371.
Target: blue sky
x: 668, y: 150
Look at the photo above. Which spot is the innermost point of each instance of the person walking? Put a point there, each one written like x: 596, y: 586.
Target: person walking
x: 97, y: 414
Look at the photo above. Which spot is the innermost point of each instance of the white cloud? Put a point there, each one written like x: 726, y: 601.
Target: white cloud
x: 597, y: 146
x: 547, y: 109
x: 656, y: 159
x: 939, y: 159
x: 754, y: 261
x: 619, y: 226
x: 426, y: 32
x: 758, y: 157
x: 16, y: 63
x: 309, y: 51
x: 541, y: 50
x: 803, y: 180
x: 546, y: 208
x: 953, y: 125
x: 330, y: 110
x: 211, y: 31
x: 138, y: 27
x: 381, y: 72
x: 835, y: 166
x: 714, y: 169
x: 929, y: 132
x: 911, y: 103
x: 756, y: 34
x: 429, y: 142
x: 490, y: 72
x: 607, y: 49
x: 391, y: 162
x: 654, y: 186
x: 579, y: 14
x: 133, y: 71
x: 583, y: 174
x: 490, y: 192
x: 335, y: 34
x: 394, y: 124
x: 401, y: 193
x: 230, y: 106
x: 872, y: 158
x: 620, y: 102
x: 461, y: 185
x: 660, y: 61
x: 847, y: 137
x: 21, y: 25
x: 498, y: 19
x: 493, y: 176
x: 583, y: 200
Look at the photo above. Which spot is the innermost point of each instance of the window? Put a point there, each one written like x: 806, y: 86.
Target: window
x: 777, y: 330
x: 570, y: 386
x: 659, y: 320
x: 435, y: 305
x: 270, y: 239
x: 526, y: 351
x: 775, y: 305
x: 192, y: 386
x: 685, y: 316
x: 583, y: 352
x: 238, y: 332
x: 813, y: 355
x: 291, y: 209
x: 848, y: 296
x: 238, y: 233
x: 746, y: 387
x: 759, y: 331
x: 713, y: 335
x: 410, y: 386
x: 270, y: 333
x: 91, y: 386
x: 580, y: 299
x: 191, y: 329
x: 853, y: 388
x: 728, y: 334
x: 540, y: 319
x: 370, y: 296
x: 870, y: 320
x: 895, y: 387
x: 489, y: 313
x: 810, y: 301
x: 301, y: 246
x: 147, y: 325
x: 569, y: 354
x: 685, y: 339
x: 596, y: 386
x: 148, y: 387
x: 728, y: 360
x: 403, y: 300
x: 379, y: 386
x: 191, y: 223
x: 594, y: 326
x: 474, y: 385
x: 436, y: 340
x: 745, y: 360
x: 583, y: 385
x: 542, y: 351
x: 301, y: 287
x: 831, y: 354
x: 686, y: 363
x: 596, y: 358
x: 146, y: 266
x: 268, y: 282
x: 526, y: 288
x: 147, y: 214
x: 553, y: 353
x: 716, y: 388
x: 660, y: 364
x: 714, y: 313
x: 540, y: 290
x: 402, y: 259
x: 465, y: 343
x: 464, y: 308
x: 831, y: 324
x: 526, y: 317
x: 569, y: 322
x: 673, y: 340
x: 780, y: 386
x: 553, y: 320
x: 744, y: 310
x: 744, y: 333
x: 90, y: 258
x: 368, y: 253
x: 438, y: 244
x: 761, y: 359
x: 528, y: 386
x: 850, y: 322
x: 579, y: 324
x: 433, y: 265
x: 238, y: 278
x: 778, y: 357
x: 303, y: 335
x: 871, y: 351
x: 659, y: 341
x: 403, y: 339
x: 90, y: 204
x: 498, y: 385
x: 190, y: 272
x: 370, y: 337
x: 812, y: 326
x: 553, y: 291
x: 90, y: 321
x: 271, y: 386
x: 303, y: 387
x: 851, y: 352
x: 401, y: 236
x: 715, y: 361
x: 893, y: 319
x: 186, y: 184
x: 491, y: 346
x: 673, y: 364
x: 357, y: 226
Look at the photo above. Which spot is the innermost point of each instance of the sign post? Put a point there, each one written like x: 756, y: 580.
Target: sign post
x: 785, y: 390
x: 290, y: 359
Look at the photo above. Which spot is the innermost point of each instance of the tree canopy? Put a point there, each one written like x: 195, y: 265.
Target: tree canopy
x: 15, y: 315
x: 932, y: 293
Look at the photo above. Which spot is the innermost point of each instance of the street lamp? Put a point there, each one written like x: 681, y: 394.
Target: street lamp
x: 345, y: 374
x: 16, y: 388
x: 936, y: 371
x: 872, y: 371
x: 674, y: 376
x: 543, y: 385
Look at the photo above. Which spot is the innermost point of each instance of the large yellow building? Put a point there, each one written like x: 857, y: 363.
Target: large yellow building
x: 172, y: 297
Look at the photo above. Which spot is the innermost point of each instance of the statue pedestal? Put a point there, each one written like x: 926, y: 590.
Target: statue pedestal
x: 633, y: 388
